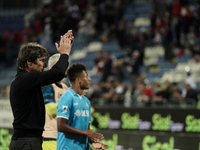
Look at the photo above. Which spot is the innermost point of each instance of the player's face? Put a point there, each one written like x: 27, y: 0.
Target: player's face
x: 84, y: 81
x: 39, y: 65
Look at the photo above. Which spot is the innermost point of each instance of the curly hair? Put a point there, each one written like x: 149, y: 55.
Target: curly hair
x: 75, y: 70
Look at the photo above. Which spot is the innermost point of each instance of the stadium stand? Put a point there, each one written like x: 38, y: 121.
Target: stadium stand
x: 143, y: 58
x: 139, y: 26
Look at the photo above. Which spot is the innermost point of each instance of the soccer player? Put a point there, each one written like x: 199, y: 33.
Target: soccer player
x: 74, y: 114
x: 26, y: 97
x: 51, y: 94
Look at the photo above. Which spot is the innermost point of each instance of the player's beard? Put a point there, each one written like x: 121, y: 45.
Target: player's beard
x: 83, y: 87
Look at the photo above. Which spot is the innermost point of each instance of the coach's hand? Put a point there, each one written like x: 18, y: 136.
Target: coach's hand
x: 69, y: 34
x: 65, y: 45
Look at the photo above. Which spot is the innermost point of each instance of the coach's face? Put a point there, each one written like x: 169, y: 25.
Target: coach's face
x: 84, y: 80
x: 39, y: 65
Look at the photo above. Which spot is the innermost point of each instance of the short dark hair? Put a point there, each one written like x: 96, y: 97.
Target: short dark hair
x: 30, y: 52
x: 75, y: 70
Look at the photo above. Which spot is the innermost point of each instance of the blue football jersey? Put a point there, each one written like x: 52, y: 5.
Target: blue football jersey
x: 48, y: 94
x: 76, y: 109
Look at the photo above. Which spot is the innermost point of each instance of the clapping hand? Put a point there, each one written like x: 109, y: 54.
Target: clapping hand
x: 69, y: 35
x: 65, y: 44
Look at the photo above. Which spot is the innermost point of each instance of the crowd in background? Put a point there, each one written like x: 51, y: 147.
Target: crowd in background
x: 174, y: 24
x: 115, y: 91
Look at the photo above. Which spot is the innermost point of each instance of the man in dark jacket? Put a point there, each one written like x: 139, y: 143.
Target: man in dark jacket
x: 26, y: 97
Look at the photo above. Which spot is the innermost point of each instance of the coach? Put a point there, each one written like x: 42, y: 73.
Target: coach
x: 26, y: 97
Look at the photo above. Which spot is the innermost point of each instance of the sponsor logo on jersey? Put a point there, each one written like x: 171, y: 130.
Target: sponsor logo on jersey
x: 64, y: 109
x: 78, y: 113
x: 83, y: 113
x: 75, y: 104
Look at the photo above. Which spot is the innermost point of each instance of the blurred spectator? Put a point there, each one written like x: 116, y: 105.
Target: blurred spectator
x: 113, y: 91
x: 99, y: 63
x: 45, y: 37
x: 159, y: 23
x: 162, y: 7
x: 7, y: 39
x: 4, y: 91
x: 107, y: 67
x: 135, y: 63
x: 160, y: 95
x: 196, y: 57
x: 190, y: 79
x: 153, y: 17
x: 176, y: 88
x: 167, y: 43
x: 18, y: 37
x: 108, y: 91
x: 86, y: 29
x: 176, y: 27
x: 176, y: 7
x: 142, y: 79
x: 75, y: 13
x: 143, y: 95
x: 157, y: 38
x: 121, y: 34
x: 190, y: 96
x: 120, y: 89
x: 191, y: 93
x: 109, y: 15
x: 95, y: 93
x: 128, y: 97
x: 176, y: 95
x: 167, y: 89
x: 187, y: 19
x: 67, y: 22
x: 109, y: 33
x: 120, y: 70
x: 197, y: 20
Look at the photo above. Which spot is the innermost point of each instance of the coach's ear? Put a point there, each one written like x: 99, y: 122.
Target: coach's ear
x: 29, y: 66
x: 29, y: 63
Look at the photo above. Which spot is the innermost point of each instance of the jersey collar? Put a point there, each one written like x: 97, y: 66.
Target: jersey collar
x: 74, y: 93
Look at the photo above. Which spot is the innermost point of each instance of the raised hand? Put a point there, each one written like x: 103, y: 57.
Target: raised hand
x: 65, y: 45
x: 69, y: 34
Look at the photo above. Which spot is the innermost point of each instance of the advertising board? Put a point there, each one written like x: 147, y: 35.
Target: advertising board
x: 132, y: 128
x: 149, y: 119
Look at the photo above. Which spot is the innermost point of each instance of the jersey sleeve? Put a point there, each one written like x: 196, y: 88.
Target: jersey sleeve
x: 48, y: 94
x: 64, y: 107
